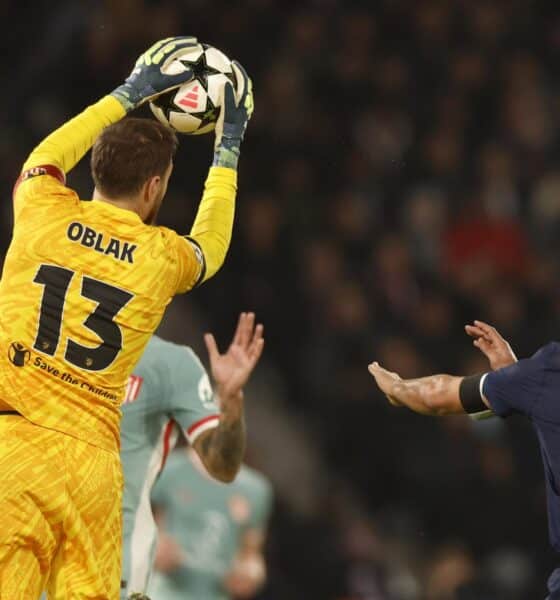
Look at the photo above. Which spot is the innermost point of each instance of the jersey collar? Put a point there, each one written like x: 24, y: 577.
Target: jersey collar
x: 122, y: 214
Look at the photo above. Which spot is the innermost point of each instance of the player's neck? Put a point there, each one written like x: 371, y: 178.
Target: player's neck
x: 124, y: 203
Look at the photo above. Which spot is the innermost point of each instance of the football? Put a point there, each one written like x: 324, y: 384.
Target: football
x: 195, y: 106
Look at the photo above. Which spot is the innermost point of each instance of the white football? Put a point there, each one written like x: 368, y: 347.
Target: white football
x: 195, y: 106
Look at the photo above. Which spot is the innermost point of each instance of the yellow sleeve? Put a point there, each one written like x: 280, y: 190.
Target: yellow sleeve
x: 190, y: 264
x: 64, y: 147
x: 214, y: 220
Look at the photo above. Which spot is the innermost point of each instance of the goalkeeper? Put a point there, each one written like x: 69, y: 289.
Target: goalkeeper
x: 84, y: 286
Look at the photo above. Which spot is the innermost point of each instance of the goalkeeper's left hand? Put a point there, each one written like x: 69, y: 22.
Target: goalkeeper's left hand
x: 233, y: 119
x: 148, y: 78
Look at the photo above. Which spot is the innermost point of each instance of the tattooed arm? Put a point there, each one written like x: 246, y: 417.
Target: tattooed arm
x: 222, y: 448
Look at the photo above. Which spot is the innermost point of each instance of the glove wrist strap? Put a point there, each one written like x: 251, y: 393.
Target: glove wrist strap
x: 227, y: 153
x: 126, y: 96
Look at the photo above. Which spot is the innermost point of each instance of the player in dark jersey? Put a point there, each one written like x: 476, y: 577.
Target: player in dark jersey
x: 530, y: 387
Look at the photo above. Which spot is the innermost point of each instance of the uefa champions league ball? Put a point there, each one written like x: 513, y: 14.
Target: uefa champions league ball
x: 194, y: 107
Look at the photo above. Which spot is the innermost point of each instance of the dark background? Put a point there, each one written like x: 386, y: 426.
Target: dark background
x: 400, y: 177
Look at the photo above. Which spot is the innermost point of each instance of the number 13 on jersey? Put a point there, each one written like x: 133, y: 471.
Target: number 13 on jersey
x: 110, y: 301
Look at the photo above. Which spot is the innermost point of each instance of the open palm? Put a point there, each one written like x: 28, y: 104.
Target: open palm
x: 232, y: 369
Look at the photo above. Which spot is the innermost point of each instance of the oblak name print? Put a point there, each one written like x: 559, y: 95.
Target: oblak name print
x: 88, y: 237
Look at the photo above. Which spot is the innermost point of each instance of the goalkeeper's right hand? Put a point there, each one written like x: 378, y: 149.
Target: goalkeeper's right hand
x: 148, y: 79
x: 233, y: 119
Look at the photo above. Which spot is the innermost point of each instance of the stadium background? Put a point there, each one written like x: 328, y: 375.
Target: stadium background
x: 401, y: 177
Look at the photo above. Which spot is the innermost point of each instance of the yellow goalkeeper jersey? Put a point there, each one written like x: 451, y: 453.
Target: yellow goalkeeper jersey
x: 84, y: 286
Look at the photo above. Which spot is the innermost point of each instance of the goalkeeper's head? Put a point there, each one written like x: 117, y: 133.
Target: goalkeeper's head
x: 131, y: 163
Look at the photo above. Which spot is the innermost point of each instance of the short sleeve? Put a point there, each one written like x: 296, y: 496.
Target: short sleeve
x: 192, y: 403
x: 517, y: 388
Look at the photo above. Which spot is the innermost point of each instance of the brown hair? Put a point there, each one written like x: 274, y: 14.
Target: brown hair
x: 128, y: 153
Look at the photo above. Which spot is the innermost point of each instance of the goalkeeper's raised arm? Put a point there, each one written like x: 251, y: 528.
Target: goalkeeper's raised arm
x: 132, y: 160
x: 63, y: 148
x: 214, y: 221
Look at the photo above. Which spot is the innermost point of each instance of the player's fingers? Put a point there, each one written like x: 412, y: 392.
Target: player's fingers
x: 237, y: 334
x: 382, y: 371
x: 247, y: 330
x: 187, y: 40
x: 154, y: 51
x: 484, y: 336
x: 256, y: 352
x: 169, y: 50
x: 239, y: 355
x: 250, y: 101
x: 146, y: 57
x: 474, y: 331
x: 483, y: 345
x: 378, y: 374
x: 488, y: 329
x: 175, y: 81
x: 157, y: 45
x: 256, y: 341
x: 375, y: 368
x: 242, y: 80
x: 494, y: 338
x: 174, y: 52
x: 240, y: 70
x: 211, y: 346
x: 244, y: 89
x: 257, y: 333
x: 228, y: 100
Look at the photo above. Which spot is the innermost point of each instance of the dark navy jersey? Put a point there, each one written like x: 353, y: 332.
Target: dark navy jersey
x: 531, y: 387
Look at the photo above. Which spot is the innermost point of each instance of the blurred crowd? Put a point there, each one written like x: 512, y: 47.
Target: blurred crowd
x: 400, y: 178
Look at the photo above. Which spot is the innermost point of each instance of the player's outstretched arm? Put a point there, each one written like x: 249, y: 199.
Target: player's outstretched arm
x: 213, y: 224
x: 62, y: 149
x: 221, y: 449
x: 436, y: 395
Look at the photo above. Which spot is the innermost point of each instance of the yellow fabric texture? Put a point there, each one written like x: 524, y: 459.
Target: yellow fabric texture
x: 214, y: 220
x: 48, y: 388
x: 45, y: 386
x: 62, y: 313
x: 84, y: 243
x: 60, y: 501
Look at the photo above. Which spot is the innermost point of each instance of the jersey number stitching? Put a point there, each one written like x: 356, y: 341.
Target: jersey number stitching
x: 110, y: 300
